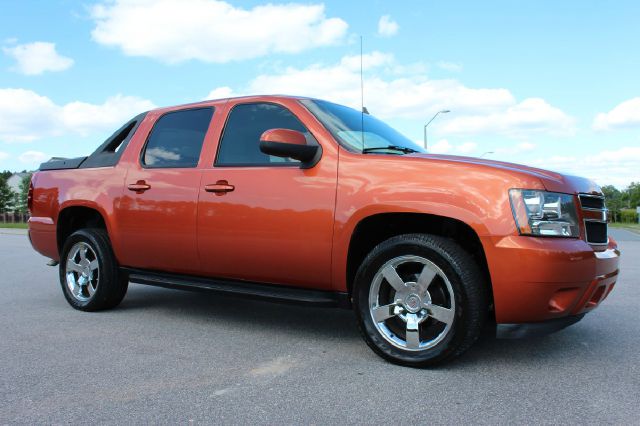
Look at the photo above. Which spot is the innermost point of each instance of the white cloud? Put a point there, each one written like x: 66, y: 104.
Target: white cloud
x: 386, y: 93
x: 26, y: 116
x: 467, y: 147
x: 626, y: 114
x: 442, y: 146
x: 3, y: 155
x: 36, y: 58
x: 395, y: 91
x: 449, y: 66
x: 212, y: 30
x: 387, y: 27
x: 220, y: 93
x: 33, y: 157
x: 369, y: 61
x: 83, y: 118
x: 526, y: 146
x: 616, y: 167
x: 530, y: 116
x: 516, y: 148
x: 155, y: 154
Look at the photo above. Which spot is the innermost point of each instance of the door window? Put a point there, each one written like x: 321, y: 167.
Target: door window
x: 176, y: 139
x: 240, y: 143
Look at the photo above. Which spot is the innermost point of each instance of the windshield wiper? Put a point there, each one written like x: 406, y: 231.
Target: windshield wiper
x: 403, y: 149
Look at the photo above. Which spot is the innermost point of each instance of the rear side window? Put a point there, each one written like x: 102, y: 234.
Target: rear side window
x: 176, y: 139
x: 240, y: 143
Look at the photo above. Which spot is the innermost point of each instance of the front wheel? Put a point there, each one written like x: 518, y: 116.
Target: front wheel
x: 420, y: 299
x: 89, y: 274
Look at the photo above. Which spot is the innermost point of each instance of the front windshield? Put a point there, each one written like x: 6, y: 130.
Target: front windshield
x: 360, y: 132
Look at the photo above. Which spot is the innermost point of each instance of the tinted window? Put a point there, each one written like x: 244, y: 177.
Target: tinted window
x: 357, y: 131
x: 240, y: 144
x: 176, y: 139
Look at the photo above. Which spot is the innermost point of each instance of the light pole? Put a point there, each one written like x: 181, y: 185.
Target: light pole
x: 486, y: 153
x: 444, y: 111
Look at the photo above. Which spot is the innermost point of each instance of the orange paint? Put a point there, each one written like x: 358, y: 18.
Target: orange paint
x: 293, y: 226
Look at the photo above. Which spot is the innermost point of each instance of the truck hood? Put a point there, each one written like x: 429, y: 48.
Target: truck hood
x: 552, y: 181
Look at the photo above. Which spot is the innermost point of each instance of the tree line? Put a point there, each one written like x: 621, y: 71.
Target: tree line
x: 622, y: 204
x: 13, y: 201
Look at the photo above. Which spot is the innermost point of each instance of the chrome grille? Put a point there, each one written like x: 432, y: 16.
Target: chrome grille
x: 594, y: 213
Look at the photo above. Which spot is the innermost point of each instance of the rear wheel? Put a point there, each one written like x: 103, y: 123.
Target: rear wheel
x: 420, y: 299
x: 89, y: 274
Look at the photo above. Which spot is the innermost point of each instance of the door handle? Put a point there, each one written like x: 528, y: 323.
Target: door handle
x: 221, y: 187
x: 139, y: 187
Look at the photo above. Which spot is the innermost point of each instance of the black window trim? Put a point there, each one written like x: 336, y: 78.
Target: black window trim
x: 107, y: 155
x: 144, y: 147
x: 292, y: 164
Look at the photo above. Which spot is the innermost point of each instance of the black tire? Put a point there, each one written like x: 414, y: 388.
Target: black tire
x: 466, y: 281
x: 110, y: 282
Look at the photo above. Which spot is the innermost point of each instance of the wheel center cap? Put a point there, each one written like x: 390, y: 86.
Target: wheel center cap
x: 413, y: 303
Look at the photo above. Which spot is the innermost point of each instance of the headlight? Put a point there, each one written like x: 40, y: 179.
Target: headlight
x: 542, y: 213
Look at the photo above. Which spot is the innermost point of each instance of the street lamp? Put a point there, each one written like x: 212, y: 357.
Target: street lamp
x: 444, y: 111
x: 486, y: 153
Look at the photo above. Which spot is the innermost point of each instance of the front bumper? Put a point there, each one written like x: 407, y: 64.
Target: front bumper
x: 542, y: 279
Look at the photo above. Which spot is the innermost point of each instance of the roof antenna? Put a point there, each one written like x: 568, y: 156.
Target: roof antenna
x: 363, y: 111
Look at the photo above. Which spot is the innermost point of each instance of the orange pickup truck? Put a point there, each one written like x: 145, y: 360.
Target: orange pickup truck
x: 302, y: 200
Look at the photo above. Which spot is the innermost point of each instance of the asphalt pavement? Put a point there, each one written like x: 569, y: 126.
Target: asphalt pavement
x: 166, y: 356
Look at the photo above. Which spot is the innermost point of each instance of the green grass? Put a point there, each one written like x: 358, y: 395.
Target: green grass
x: 14, y: 225
x: 635, y: 227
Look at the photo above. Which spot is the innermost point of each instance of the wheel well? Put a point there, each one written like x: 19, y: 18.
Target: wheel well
x: 375, y: 229
x: 73, y: 218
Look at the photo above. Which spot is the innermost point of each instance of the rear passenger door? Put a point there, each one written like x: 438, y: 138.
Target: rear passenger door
x: 157, y: 213
x: 274, y: 221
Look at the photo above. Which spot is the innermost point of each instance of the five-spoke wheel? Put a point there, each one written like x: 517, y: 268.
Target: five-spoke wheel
x: 412, y: 302
x: 82, y: 271
x: 89, y: 274
x: 420, y: 299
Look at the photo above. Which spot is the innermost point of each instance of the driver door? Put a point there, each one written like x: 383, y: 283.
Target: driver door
x: 274, y: 221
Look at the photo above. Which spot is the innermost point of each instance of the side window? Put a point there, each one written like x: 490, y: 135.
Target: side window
x: 176, y: 139
x: 240, y: 143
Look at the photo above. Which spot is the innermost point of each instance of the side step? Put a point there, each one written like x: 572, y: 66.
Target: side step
x: 268, y: 292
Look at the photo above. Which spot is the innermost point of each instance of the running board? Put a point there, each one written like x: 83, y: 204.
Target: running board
x: 268, y: 292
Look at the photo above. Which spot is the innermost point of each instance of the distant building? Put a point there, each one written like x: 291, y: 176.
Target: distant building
x: 14, y: 181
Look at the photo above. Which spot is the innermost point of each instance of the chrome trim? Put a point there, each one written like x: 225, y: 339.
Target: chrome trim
x: 605, y: 214
x: 583, y: 194
x: 408, y: 303
x: 603, y: 219
x: 82, y: 271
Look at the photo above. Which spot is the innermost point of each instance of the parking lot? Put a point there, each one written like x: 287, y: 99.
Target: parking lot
x: 165, y: 356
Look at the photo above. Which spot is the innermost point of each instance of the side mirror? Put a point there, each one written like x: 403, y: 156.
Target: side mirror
x: 290, y: 144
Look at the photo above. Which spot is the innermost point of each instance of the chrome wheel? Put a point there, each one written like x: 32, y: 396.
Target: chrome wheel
x: 412, y: 303
x: 82, y: 271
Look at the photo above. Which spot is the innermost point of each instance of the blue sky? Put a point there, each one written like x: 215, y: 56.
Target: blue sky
x: 547, y: 83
